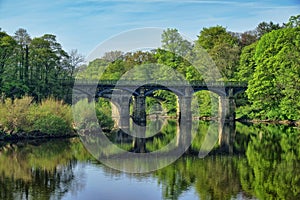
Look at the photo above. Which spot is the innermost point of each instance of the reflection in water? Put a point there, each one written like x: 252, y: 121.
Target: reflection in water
x: 257, y: 161
x: 39, y: 170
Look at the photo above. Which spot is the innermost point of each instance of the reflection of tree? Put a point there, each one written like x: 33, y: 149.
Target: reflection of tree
x: 269, y: 171
x: 273, y: 164
x: 39, y: 171
x: 217, y: 178
x: 175, y: 179
x: 214, y: 177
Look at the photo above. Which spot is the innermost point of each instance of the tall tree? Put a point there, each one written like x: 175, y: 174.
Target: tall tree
x: 247, y: 38
x: 47, y: 66
x: 112, y: 55
x: 23, y: 39
x: 7, y: 61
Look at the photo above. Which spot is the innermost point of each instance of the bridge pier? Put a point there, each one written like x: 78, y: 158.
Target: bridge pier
x: 120, y: 111
x: 139, y: 110
x: 124, y: 114
x: 185, y: 111
x: 226, y: 109
x: 227, y: 133
x: 185, y: 106
x: 139, y: 143
x: 184, y: 136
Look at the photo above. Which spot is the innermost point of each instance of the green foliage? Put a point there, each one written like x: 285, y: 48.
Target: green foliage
x: 210, y: 37
x: 294, y: 21
x: 52, y: 117
x: 274, y: 88
x: 84, y: 115
x: 104, y: 114
x: 264, y: 28
x: 34, y: 66
x: 173, y: 42
x: 168, y: 101
x: 207, y: 103
x: 267, y: 58
x: 247, y: 63
x: 88, y: 116
x: 52, y: 125
x: 222, y: 47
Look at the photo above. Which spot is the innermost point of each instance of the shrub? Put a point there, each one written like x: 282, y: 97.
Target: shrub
x: 84, y: 115
x: 14, y: 115
x: 51, y: 117
x: 89, y: 116
x: 52, y: 124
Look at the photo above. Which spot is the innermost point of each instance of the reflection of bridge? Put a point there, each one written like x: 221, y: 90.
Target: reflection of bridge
x: 122, y: 92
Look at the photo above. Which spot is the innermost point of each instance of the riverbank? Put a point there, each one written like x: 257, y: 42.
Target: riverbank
x: 295, y: 123
x: 34, y: 135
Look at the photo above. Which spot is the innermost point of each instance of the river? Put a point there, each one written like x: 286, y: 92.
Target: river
x: 260, y: 161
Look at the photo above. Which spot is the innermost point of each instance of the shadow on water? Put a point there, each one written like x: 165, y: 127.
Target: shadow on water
x: 248, y: 161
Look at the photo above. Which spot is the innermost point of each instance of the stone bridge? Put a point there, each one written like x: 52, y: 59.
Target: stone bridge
x: 122, y: 92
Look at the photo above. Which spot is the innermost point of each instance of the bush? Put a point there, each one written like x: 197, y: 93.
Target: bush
x: 14, y: 115
x: 89, y: 116
x: 51, y: 117
x: 84, y: 115
x: 52, y: 124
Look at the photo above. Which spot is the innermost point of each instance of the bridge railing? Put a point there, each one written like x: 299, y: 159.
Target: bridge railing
x: 156, y: 82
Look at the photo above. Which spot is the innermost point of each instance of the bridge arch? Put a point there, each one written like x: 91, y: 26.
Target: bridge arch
x: 218, y: 91
x: 111, y: 90
x: 177, y: 92
x: 120, y: 111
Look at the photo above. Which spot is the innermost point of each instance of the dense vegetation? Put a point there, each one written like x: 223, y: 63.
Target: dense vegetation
x: 23, y: 116
x: 267, y: 58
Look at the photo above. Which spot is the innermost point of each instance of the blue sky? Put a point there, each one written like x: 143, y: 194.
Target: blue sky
x: 83, y: 24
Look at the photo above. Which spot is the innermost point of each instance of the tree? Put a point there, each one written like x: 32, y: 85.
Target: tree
x: 7, y: 48
x: 46, y: 66
x: 23, y: 40
x: 247, y: 38
x: 223, y: 47
x: 73, y: 61
x: 274, y: 89
x: 264, y: 27
x: 172, y: 41
x: 247, y: 63
x: 293, y: 22
x: 112, y: 55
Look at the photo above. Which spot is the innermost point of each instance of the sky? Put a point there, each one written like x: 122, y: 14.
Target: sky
x: 84, y: 24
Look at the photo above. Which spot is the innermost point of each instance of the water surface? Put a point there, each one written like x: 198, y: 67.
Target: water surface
x: 252, y: 162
